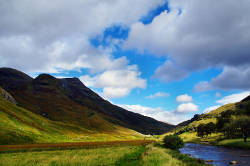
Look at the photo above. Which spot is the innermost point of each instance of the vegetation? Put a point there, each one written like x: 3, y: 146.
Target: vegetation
x: 20, y: 126
x: 89, y: 157
x: 173, y: 142
x: 238, y: 126
x: 140, y: 155
x: 237, y: 143
x: 223, y: 126
x: 206, y: 129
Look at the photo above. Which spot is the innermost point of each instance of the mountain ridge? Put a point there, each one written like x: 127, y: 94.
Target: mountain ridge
x: 58, y: 99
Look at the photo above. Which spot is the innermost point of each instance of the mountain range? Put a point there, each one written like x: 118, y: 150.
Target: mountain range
x: 70, y: 102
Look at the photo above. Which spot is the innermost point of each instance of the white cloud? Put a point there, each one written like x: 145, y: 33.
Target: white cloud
x: 56, y: 35
x: 230, y: 78
x: 184, y: 98
x: 233, y: 98
x: 157, y: 113
x: 116, y: 83
x: 186, y: 108
x: 193, y: 44
x: 157, y: 95
x: 209, y: 109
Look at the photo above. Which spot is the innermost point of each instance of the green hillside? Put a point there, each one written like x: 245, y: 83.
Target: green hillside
x: 226, y: 126
x: 18, y: 126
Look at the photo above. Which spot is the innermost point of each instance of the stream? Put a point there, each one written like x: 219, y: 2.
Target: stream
x: 220, y: 156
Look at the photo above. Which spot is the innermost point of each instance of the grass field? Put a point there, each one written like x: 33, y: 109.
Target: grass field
x: 152, y: 154
x: 236, y: 143
x: 192, y: 137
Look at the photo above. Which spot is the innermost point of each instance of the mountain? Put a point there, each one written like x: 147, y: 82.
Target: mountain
x: 21, y: 126
x: 69, y: 101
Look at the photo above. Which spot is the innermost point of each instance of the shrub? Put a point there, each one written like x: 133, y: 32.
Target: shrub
x: 173, y: 142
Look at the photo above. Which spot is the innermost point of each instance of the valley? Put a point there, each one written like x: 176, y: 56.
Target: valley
x: 62, y: 118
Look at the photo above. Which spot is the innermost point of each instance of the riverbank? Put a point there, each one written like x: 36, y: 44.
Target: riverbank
x: 215, y: 139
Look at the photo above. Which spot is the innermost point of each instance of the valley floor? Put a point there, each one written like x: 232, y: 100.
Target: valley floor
x: 152, y: 154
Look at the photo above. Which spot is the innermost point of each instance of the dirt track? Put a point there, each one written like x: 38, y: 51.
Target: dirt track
x: 72, y: 145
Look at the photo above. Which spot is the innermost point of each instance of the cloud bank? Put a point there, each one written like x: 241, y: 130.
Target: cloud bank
x: 196, y: 35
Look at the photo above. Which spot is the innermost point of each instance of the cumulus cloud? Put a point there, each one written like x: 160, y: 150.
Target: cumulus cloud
x: 230, y: 78
x: 193, y: 44
x: 56, y: 35
x: 170, y: 72
x: 184, y: 98
x: 187, y: 108
x: 157, y: 95
x: 233, y: 98
x: 209, y: 109
x: 116, y: 83
x: 158, y: 113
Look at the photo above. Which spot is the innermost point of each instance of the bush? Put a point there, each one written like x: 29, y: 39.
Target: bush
x: 173, y: 142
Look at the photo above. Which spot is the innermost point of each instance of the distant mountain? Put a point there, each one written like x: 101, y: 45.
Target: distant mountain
x: 68, y: 100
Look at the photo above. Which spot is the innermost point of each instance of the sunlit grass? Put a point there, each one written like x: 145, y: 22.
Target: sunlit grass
x: 149, y: 155
x: 86, y: 157
x: 192, y: 137
x: 237, y: 143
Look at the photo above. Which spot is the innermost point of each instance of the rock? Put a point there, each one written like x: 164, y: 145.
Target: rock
x: 233, y: 162
x: 7, y: 96
x: 209, y: 161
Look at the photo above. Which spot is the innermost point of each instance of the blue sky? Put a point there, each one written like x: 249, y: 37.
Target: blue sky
x: 165, y: 59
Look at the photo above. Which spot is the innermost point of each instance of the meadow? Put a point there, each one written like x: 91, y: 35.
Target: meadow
x: 153, y: 154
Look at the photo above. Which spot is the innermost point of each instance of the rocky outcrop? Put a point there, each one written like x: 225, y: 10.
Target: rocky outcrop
x: 7, y: 96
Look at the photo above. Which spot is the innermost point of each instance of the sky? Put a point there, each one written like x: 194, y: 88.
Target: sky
x: 166, y: 59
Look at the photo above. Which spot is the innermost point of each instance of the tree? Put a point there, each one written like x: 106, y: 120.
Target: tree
x: 173, y: 142
x: 201, y: 131
x: 242, y: 124
x: 224, y: 118
x: 210, y: 128
x: 238, y: 126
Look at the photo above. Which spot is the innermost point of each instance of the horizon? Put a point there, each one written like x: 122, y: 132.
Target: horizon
x: 158, y: 58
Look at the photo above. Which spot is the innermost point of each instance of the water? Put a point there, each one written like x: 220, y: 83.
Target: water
x: 219, y: 155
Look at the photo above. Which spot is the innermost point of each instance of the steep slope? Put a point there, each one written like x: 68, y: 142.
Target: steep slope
x: 20, y: 126
x: 79, y: 93
x: 68, y: 100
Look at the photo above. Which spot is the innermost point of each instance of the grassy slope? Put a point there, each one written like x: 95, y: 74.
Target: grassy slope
x: 150, y: 155
x: 19, y: 126
x: 215, y: 138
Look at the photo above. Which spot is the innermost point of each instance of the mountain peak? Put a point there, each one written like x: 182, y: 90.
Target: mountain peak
x: 13, y: 79
x: 45, y: 77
